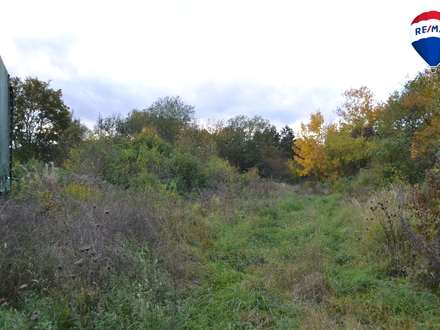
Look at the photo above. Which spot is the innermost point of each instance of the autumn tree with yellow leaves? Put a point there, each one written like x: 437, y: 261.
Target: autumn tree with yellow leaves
x: 309, y: 147
x: 396, y: 140
x: 351, y: 146
x: 359, y: 110
x: 331, y: 151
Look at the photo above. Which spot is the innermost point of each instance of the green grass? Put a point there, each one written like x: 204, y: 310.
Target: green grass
x: 272, y: 259
x: 296, y: 262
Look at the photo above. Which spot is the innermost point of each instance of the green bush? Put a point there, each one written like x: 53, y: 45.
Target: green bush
x: 185, y: 169
x: 143, y: 161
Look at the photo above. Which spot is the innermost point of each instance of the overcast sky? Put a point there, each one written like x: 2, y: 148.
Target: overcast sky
x: 280, y: 59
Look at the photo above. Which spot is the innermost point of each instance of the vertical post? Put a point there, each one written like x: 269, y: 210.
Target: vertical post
x: 5, y: 130
x: 11, y: 128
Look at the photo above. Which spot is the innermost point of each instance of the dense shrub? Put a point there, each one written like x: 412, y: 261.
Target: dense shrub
x: 142, y: 161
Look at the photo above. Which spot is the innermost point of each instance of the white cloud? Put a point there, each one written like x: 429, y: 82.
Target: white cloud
x: 281, y: 60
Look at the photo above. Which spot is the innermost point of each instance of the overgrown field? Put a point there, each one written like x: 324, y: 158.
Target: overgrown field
x: 78, y: 253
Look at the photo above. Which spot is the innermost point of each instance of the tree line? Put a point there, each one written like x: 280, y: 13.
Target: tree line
x: 377, y: 142
x: 45, y: 130
x: 372, y: 141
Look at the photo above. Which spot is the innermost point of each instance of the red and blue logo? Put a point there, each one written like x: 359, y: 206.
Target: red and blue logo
x: 425, y: 37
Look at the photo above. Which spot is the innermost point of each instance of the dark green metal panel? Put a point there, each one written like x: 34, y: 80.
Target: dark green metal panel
x: 5, y: 130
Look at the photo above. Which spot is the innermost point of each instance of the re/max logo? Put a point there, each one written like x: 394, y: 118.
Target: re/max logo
x: 426, y: 29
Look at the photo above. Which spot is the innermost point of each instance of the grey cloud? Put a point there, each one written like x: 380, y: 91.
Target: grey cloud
x: 284, y: 105
x: 90, y: 97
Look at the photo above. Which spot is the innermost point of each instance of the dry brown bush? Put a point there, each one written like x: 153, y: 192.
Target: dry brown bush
x: 81, y: 243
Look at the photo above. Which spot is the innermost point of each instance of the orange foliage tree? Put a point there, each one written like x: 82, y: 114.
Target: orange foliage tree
x: 309, y: 147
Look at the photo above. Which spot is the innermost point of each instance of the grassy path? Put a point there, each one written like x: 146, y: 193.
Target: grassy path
x: 269, y: 259
x: 299, y: 262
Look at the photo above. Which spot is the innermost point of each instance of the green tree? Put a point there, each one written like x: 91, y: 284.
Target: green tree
x: 40, y: 117
x: 350, y: 145
x: 135, y: 122
x: 408, y: 128
x: 71, y: 138
x: 346, y: 154
x: 197, y: 140
x: 111, y: 127
x: 247, y: 142
x: 168, y: 116
x: 279, y: 156
x: 286, y: 141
